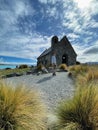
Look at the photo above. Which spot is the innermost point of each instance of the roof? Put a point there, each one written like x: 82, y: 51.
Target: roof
x: 65, y: 38
x: 45, y: 52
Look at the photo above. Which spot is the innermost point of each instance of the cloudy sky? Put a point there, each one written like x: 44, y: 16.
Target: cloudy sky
x: 26, y: 27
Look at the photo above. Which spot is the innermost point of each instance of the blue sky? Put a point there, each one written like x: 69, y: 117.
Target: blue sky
x: 26, y: 28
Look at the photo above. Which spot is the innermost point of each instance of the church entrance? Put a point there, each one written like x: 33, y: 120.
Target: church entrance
x: 65, y: 59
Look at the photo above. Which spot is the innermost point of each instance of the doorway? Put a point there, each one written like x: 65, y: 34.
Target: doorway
x: 65, y: 59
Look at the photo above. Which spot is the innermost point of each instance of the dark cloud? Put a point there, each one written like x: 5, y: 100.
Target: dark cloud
x: 92, y: 51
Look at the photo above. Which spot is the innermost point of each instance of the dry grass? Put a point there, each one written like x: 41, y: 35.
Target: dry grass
x: 20, y: 108
x: 63, y: 67
x: 39, y: 67
x: 84, y: 74
x: 90, y: 77
x: 82, y: 110
x: 78, y: 69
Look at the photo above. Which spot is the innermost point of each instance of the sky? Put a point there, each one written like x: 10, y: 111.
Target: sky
x: 27, y: 26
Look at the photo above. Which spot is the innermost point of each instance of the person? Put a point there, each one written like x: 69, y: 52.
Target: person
x: 53, y: 62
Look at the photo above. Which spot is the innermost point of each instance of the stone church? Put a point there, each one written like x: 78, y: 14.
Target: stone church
x: 65, y: 53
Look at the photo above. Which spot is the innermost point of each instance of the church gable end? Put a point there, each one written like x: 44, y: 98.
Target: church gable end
x: 68, y: 45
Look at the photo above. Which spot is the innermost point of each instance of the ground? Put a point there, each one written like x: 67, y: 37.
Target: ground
x: 52, y: 88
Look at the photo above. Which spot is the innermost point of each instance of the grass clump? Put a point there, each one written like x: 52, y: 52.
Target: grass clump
x: 39, y: 67
x: 20, y: 108
x: 63, y: 67
x: 82, y: 110
x: 90, y: 77
x: 78, y: 69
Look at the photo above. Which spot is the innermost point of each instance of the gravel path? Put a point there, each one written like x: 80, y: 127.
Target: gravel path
x: 52, y: 88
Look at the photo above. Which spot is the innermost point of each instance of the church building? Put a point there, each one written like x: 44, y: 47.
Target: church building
x: 65, y: 54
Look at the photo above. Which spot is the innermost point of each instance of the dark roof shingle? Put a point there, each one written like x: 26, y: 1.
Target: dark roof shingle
x: 45, y: 52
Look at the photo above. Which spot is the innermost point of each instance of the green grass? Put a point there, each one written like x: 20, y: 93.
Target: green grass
x: 20, y: 108
x: 10, y: 71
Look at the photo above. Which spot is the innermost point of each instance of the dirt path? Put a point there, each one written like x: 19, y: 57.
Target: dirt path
x: 52, y: 88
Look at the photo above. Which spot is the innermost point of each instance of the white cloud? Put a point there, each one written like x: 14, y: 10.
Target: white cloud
x: 49, y: 1
x: 9, y: 15
x: 25, y: 46
x: 78, y: 19
x: 89, y: 6
x: 31, y: 43
x: 52, y: 11
x: 87, y: 58
x: 87, y: 53
x: 23, y: 8
x: 82, y: 4
x: 72, y: 36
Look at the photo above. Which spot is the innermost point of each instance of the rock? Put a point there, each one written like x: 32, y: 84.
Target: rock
x: 70, y: 74
x: 44, y: 70
x: 39, y: 73
x: 10, y: 75
x: 29, y: 72
x: 19, y: 74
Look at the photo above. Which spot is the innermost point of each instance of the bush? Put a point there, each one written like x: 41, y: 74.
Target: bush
x: 23, y: 66
x: 39, y: 67
x: 63, y: 67
x: 82, y: 110
x: 78, y: 63
x: 20, y: 108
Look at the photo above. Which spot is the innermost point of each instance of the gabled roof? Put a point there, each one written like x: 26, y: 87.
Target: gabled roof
x: 65, y: 38
x: 45, y: 52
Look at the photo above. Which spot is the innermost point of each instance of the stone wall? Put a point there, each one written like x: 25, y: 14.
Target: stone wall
x: 64, y: 47
x: 45, y: 60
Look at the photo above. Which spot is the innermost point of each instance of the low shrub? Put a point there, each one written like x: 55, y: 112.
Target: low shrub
x: 78, y: 63
x: 20, y: 108
x: 63, y: 67
x: 39, y: 67
x: 82, y: 110
x: 23, y: 66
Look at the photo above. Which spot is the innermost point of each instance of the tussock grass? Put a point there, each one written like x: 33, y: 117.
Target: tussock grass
x: 84, y: 74
x: 90, y: 77
x: 82, y: 110
x: 63, y: 67
x: 78, y: 69
x: 39, y: 67
x: 20, y: 108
